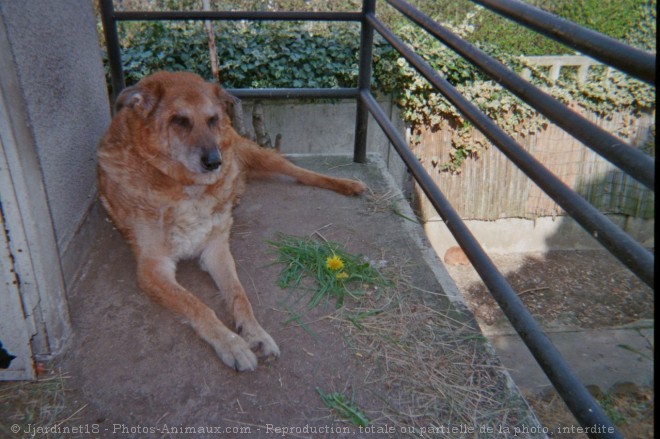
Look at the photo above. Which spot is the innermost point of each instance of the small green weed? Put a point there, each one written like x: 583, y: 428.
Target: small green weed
x: 345, y: 409
x: 610, y: 405
x: 337, y: 273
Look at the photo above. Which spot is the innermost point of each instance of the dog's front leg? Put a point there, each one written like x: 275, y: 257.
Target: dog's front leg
x: 218, y: 261
x: 157, y: 277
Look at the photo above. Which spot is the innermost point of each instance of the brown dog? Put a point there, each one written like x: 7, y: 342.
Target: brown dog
x: 170, y: 168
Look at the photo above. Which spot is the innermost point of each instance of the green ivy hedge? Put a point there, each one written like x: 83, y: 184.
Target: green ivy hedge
x: 250, y: 57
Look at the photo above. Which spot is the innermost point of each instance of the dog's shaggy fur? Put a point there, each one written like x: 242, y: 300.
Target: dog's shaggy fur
x: 170, y: 168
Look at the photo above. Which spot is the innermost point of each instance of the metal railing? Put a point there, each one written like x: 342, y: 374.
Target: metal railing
x: 632, y: 61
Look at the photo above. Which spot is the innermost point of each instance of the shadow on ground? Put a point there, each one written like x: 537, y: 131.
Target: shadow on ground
x: 596, y: 312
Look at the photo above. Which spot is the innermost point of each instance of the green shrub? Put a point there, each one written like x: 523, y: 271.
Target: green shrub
x: 250, y: 57
x: 631, y: 21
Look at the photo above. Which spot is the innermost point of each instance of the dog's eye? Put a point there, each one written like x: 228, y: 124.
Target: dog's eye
x: 213, y: 121
x: 181, y: 121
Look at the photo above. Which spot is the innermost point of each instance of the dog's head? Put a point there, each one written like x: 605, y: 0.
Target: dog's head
x: 186, y: 123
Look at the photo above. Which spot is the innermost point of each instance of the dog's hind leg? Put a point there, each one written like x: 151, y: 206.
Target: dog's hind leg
x: 218, y: 261
x: 156, y: 277
x: 261, y: 160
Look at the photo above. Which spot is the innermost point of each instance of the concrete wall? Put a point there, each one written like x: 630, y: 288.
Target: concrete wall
x: 53, y: 110
x: 328, y: 128
x: 519, y: 235
x: 56, y: 54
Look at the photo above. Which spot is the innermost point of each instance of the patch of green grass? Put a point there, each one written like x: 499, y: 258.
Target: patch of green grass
x: 335, y: 273
x: 345, y: 409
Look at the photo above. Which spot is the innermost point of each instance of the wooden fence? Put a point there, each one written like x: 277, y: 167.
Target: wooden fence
x: 491, y: 187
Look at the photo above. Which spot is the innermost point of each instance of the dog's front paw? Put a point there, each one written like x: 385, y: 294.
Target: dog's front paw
x: 236, y: 353
x: 259, y: 340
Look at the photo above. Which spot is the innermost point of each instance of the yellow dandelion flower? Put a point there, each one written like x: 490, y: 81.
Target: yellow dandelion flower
x: 334, y: 263
x: 341, y: 275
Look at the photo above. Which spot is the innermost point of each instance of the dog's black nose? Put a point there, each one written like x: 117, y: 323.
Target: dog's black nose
x: 211, y: 160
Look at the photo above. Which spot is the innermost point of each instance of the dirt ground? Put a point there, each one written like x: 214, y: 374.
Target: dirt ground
x: 406, y: 356
x: 583, y: 289
x: 572, y: 290
x: 631, y: 409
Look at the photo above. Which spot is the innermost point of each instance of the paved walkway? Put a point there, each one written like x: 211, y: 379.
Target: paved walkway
x: 600, y: 357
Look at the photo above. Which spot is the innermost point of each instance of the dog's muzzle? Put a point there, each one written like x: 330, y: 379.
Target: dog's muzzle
x: 211, y: 160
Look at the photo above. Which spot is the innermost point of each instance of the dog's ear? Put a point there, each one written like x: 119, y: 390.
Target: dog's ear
x: 139, y: 98
x: 226, y: 101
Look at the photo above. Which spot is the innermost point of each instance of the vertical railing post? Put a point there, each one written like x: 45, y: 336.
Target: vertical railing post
x: 364, y: 82
x: 112, y: 45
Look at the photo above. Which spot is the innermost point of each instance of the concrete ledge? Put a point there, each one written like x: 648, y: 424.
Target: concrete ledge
x: 518, y: 235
